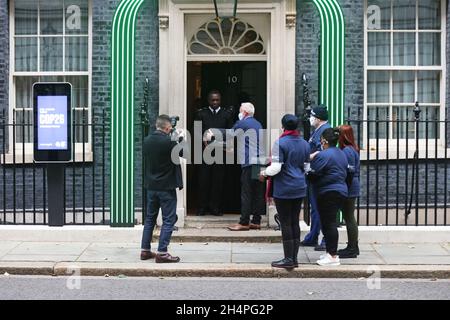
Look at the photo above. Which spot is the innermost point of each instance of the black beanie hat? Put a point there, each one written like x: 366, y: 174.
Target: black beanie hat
x: 320, y: 112
x: 289, y: 122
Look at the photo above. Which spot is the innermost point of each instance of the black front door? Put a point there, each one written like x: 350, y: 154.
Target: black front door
x: 237, y: 82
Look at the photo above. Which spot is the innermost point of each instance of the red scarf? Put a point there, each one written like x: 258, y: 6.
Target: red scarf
x: 269, y: 189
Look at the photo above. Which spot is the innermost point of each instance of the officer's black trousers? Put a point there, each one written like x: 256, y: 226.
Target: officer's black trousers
x: 211, y: 182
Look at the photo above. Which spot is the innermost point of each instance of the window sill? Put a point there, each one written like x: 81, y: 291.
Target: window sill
x: 20, y: 158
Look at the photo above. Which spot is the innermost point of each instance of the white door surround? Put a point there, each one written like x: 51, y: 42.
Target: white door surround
x: 175, y: 32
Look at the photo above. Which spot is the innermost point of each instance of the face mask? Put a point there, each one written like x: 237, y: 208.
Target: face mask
x: 241, y: 116
x: 312, y: 121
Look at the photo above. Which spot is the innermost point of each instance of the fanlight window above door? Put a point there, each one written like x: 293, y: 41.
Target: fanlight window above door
x: 226, y: 37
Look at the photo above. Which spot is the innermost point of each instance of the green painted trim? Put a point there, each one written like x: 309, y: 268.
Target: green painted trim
x: 332, y: 59
x: 122, y: 113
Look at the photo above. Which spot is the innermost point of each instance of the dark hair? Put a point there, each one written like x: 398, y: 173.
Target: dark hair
x: 331, y: 135
x: 346, y: 137
x: 214, y: 92
x: 162, y: 121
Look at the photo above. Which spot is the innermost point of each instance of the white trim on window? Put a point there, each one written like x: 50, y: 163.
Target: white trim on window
x: 27, y: 146
x: 403, y: 144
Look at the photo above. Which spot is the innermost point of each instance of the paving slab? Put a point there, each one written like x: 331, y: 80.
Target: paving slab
x: 7, y: 246
x: 203, y: 256
x: 39, y: 257
x: 49, y: 248
x: 413, y: 249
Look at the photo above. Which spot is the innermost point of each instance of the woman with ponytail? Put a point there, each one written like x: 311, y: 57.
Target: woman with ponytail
x: 348, y: 145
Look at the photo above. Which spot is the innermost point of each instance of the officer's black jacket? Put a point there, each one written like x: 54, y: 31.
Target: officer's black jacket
x: 221, y: 120
x: 160, y: 172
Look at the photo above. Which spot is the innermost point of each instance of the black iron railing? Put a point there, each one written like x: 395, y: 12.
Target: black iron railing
x: 23, y: 186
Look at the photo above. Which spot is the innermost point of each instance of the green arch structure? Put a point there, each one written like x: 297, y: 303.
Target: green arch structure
x: 122, y: 113
x: 122, y: 94
x: 332, y: 58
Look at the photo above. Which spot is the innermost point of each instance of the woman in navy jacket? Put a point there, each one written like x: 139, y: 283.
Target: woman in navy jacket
x: 329, y: 169
x: 348, y: 145
x: 289, y: 155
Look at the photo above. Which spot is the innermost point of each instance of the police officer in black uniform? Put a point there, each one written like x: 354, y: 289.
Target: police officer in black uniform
x: 211, y: 179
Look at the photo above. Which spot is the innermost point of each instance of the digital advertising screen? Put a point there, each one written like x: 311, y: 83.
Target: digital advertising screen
x: 52, y: 123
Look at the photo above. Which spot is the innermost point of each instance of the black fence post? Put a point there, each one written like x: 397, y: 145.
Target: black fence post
x: 144, y: 130
x: 415, y: 169
x: 306, y: 135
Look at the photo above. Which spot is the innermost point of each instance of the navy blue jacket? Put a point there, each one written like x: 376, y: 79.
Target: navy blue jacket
x: 353, y: 160
x: 314, y: 141
x: 330, y: 167
x: 290, y: 182
x: 251, y: 148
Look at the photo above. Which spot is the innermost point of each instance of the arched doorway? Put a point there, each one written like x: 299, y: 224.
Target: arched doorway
x: 281, y: 86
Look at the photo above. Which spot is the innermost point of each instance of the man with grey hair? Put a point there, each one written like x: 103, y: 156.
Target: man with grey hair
x: 162, y: 178
x: 247, y: 130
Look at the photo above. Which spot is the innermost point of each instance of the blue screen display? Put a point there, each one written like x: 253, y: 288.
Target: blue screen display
x: 52, y: 123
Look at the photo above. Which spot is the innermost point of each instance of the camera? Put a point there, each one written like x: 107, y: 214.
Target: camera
x: 175, y: 135
x: 173, y: 121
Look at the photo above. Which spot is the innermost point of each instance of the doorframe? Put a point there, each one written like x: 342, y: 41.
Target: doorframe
x: 173, y: 65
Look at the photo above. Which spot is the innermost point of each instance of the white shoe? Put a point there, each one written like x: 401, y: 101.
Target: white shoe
x: 322, y: 256
x: 328, y: 260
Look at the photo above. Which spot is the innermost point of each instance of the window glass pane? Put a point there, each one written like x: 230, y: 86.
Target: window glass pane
x: 379, y: 48
x: 25, y: 54
x: 24, y: 125
x: 80, y: 91
x: 430, y: 14
x: 81, y: 127
x: 403, y: 125
x: 25, y: 17
x: 52, y: 17
x: 76, y: 53
x: 51, y: 54
x: 430, y: 49
x: 405, y: 49
x: 403, y: 86
x: 77, y: 16
x: 404, y: 14
x: 429, y: 125
x: 378, y: 86
x: 377, y: 126
x: 383, y: 21
x: 24, y: 96
x: 52, y: 79
x: 428, y: 86
x: 24, y: 100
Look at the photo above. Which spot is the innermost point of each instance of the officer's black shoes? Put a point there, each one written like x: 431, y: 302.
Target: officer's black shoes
x: 350, y: 252
x: 320, y: 247
x: 308, y: 244
x: 286, y: 263
x: 216, y: 212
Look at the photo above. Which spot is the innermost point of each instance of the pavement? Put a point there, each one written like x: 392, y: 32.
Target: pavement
x: 65, y: 254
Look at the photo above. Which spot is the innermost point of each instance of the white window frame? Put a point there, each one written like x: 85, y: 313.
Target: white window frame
x: 405, y: 144
x: 28, y: 147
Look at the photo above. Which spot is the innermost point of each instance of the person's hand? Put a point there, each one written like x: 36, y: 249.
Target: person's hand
x: 180, y: 134
x: 313, y: 155
x: 207, y: 136
x: 262, y: 176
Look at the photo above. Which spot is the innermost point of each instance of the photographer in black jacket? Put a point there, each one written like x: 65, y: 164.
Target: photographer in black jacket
x: 162, y: 177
